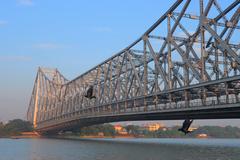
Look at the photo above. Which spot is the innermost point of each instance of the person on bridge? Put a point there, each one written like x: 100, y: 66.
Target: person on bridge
x: 185, y: 126
x: 90, y: 93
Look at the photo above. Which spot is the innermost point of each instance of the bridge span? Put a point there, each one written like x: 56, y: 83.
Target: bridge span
x: 185, y: 66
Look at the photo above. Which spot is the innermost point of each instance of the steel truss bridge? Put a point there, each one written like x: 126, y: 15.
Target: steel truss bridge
x: 185, y: 66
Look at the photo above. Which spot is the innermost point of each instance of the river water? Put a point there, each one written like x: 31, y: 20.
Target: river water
x: 120, y: 149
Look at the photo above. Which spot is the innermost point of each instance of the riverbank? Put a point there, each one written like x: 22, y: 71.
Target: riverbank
x: 95, y: 137
x: 129, y: 136
x: 25, y: 135
x: 74, y: 137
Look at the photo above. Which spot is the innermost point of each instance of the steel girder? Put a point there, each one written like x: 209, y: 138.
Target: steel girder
x: 169, y: 66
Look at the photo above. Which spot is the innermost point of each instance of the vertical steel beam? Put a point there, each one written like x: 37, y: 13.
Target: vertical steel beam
x: 36, y: 102
x: 203, y: 51
x: 145, y: 65
x: 169, y: 56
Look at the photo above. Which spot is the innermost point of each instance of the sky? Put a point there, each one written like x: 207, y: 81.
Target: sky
x: 72, y: 36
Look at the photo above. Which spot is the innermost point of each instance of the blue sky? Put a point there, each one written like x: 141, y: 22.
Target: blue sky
x: 72, y: 36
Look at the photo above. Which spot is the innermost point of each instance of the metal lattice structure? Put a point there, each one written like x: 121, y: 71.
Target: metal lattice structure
x: 184, y: 66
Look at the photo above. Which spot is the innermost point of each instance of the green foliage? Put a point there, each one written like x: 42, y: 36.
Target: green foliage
x: 15, y: 127
x: 133, y: 129
x: 219, y: 132
x: 106, y: 129
x: 170, y: 134
x: 211, y: 131
x: 2, y: 133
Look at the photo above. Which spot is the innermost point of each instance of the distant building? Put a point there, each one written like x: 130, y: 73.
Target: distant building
x: 100, y: 134
x: 154, y: 126
x: 202, y: 135
x: 120, y: 129
x: 192, y: 129
x: 164, y: 129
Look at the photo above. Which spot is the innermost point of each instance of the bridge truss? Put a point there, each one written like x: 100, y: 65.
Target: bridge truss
x: 184, y: 66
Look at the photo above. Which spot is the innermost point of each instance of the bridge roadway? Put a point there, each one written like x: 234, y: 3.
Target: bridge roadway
x: 183, y: 66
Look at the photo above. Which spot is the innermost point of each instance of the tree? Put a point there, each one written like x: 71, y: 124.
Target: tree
x: 16, y: 126
x: 2, y: 133
x: 106, y: 129
x: 133, y: 129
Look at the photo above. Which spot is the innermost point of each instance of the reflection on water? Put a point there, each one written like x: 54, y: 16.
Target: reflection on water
x: 120, y: 149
